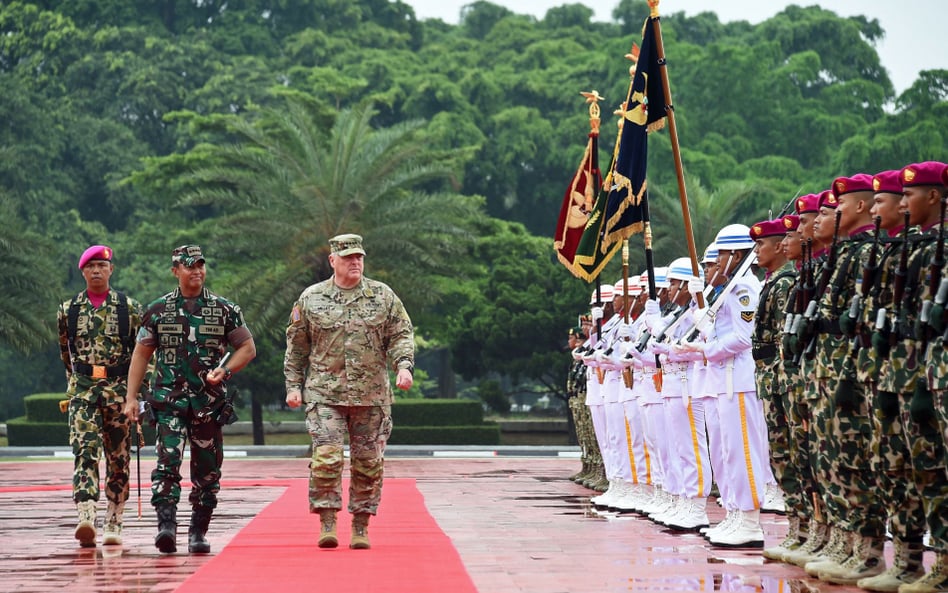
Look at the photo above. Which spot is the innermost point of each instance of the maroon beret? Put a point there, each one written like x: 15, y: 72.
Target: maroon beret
x: 808, y: 203
x: 887, y: 182
x: 858, y: 182
x: 927, y: 173
x: 828, y: 199
x: 767, y: 228
x: 791, y: 222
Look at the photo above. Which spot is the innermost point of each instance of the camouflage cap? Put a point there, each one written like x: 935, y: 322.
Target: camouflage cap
x: 187, y: 255
x: 343, y: 245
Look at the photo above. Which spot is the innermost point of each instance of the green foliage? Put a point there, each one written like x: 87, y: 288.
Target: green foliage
x: 434, y: 412
x: 260, y: 128
x: 482, y: 434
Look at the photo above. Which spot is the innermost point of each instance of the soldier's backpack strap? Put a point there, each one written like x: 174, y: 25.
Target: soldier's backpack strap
x: 762, y: 302
x: 124, y: 323
x: 72, y: 323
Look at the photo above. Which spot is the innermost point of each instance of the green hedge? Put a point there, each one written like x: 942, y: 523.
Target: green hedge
x: 437, y: 412
x: 482, y: 434
x: 44, y: 407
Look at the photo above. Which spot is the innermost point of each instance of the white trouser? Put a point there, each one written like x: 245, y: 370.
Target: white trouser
x: 639, y: 459
x: 617, y: 462
x: 653, y: 418
x: 686, y: 426
x: 744, y: 443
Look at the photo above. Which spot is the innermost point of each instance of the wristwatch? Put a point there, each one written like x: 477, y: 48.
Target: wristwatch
x: 227, y: 373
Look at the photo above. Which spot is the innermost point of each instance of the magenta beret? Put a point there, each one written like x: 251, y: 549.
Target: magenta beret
x: 887, y: 182
x: 927, y: 173
x: 767, y: 228
x: 858, y: 182
x: 100, y: 252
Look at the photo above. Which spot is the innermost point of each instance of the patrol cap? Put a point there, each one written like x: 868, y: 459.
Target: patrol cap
x: 768, y: 228
x: 187, y: 255
x: 575, y: 331
x: 808, y: 203
x: 887, y: 182
x: 926, y: 173
x: 848, y: 185
x: 606, y: 291
x: 348, y: 244
x: 734, y: 236
x: 791, y: 222
x: 828, y: 199
x: 680, y: 269
x: 96, y: 252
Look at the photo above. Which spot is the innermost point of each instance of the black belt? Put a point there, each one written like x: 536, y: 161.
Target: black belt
x: 119, y: 370
x: 764, y: 351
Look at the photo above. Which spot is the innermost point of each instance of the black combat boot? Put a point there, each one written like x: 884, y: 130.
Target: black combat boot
x: 167, y: 529
x: 200, y: 519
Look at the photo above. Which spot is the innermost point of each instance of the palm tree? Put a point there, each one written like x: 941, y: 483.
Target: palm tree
x: 286, y: 186
x: 30, y: 284
x: 732, y: 202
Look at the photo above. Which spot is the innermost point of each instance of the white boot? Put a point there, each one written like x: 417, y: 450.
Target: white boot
x: 773, y: 500
x: 746, y: 532
x: 693, y: 515
x: 605, y: 499
x: 112, y: 531
x: 85, y: 529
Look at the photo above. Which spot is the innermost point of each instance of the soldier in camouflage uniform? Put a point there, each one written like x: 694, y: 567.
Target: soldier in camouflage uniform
x: 923, y: 191
x: 769, y: 321
x: 841, y: 414
x: 801, y: 390
x: 891, y: 458
x: 343, y: 335
x: 576, y: 397
x: 191, y: 329
x: 96, y: 337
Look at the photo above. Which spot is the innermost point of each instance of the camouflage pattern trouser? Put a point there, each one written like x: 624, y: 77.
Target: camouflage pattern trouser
x: 927, y: 448
x: 368, y: 429
x: 891, y: 462
x: 798, y: 458
x: 850, y: 486
x: 778, y: 436
x: 585, y: 436
x: 175, y: 428
x: 96, y: 423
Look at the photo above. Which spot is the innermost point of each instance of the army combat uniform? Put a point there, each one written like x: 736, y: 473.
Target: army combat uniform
x: 191, y: 336
x: 95, y: 352
x: 340, y: 344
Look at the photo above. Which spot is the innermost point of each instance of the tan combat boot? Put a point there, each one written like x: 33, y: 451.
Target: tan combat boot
x: 327, y: 529
x: 906, y: 568
x: 934, y: 582
x: 795, y: 538
x: 360, y: 532
x: 866, y: 561
x: 85, y: 530
x: 112, y: 531
x: 817, y: 536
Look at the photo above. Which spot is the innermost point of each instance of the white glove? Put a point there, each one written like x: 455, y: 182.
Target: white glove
x: 624, y: 331
x: 653, y: 308
x: 695, y: 285
x: 687, y: 346
x: 589, y: 358
x: 576, y: 354
x: 698, y: 313
x: 596, y: 314
x: 661, y: 347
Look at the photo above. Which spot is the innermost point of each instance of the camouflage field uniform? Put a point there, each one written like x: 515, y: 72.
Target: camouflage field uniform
x: 771, y: 385
x: 877, y: 367
x: 927, y: 446
x: 582, y: 420
x: 340, y: 344
x: 96, y: 421
x: 191, y: 337
x: 841, y: 413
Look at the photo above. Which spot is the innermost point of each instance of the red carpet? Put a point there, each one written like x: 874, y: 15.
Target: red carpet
x: 277, y: 551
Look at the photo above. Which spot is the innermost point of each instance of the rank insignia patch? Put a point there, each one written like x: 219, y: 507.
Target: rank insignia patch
x: 747, y: 316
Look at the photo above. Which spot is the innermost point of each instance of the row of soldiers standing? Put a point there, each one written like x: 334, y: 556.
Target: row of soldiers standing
x: 846, y: 404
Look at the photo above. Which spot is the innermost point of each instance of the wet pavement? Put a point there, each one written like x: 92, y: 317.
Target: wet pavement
x: 518, y: 524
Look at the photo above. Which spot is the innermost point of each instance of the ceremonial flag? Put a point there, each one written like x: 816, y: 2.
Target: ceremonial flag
x: 625, y: 212
x: 580, y: 195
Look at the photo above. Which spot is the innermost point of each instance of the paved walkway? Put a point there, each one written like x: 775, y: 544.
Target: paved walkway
x: 517, y: 522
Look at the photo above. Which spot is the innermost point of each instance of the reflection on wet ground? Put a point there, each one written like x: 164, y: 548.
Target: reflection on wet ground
x: 518, y: 524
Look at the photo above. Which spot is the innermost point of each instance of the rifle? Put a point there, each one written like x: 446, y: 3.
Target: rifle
x: 679, y: 318
x: 898, y: 287
x: 861, y: 338
x: 826, y: 272
x: 708, y: 318
x: 938, y: 286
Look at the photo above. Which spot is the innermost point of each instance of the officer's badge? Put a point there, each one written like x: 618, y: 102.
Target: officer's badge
x: 747, y: 316
x: 745, y: 300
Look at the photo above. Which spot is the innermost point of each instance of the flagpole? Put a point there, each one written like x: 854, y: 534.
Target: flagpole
x: 676, y: 149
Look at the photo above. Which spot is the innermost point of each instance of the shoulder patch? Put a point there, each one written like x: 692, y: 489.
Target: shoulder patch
x: 747, y: 316
x: 745, y: 300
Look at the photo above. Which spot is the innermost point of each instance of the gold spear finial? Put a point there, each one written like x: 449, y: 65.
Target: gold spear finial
x: 593, y: 97
x: 653, y: 8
